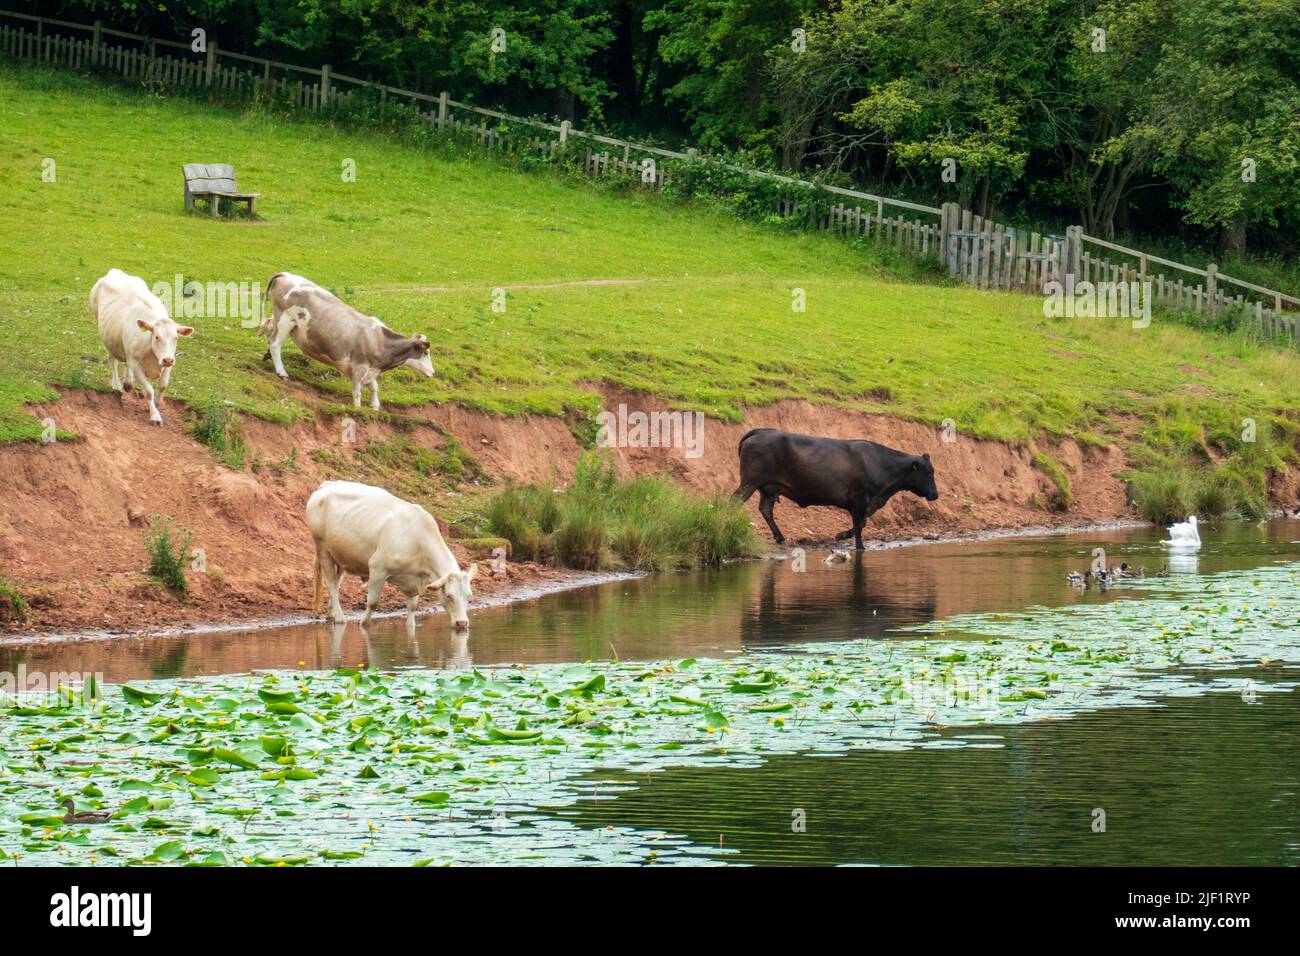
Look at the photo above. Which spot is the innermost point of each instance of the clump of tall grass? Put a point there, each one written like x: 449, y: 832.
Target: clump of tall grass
x: 1175, y: 491
x: 221, y: 429
x: 600, y: 522
x: 12, y: 605
x: 168, y: 545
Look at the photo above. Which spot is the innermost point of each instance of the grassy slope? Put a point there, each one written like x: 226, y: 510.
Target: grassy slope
x: 708, y: 323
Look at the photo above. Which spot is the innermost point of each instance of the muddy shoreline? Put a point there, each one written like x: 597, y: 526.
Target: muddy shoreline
x: 72, y: 518
x: 557, y: 581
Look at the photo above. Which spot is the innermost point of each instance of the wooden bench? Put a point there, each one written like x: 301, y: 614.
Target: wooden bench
x: 214, y: 181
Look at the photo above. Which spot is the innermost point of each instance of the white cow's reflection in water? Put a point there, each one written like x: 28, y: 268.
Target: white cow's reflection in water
x: 455, y: 656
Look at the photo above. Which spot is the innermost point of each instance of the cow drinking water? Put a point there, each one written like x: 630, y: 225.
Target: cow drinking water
x: 138, y: 334
x: 331, y: 331
x: 857, y: 475
x: 363, y: 530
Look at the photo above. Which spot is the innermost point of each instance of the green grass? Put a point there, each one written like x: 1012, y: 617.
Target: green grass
x: 222, y: 431
x: 168, y: 546
x: 704, y: 321
x: 599, y: 522
x: 13, y: 606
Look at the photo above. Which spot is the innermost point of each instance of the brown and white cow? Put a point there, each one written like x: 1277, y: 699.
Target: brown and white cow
x: 364, y: 530
x: 331, y: 331
x: 138, y: 333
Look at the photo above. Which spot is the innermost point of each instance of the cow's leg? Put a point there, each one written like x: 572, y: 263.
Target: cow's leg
x: 357, y: 378
x: 374, y: 591
x: 154, y: 415
x: 744, y: 491
x: 117, y: 378
x: 765, y: 502
x: 859, y: 514
x: 333, y: 575
x: 128, y: 377
x: 283, y: 326
x: 374, y: 392
x: 164, y: 380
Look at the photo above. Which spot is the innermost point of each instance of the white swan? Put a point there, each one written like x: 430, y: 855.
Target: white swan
x: 1183, y: 535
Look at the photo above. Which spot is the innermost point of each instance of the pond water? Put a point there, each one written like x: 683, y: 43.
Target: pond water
x: 723, y: 612
x: 938, y: 704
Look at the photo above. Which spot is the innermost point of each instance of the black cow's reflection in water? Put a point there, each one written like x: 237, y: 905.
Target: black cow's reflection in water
x: 809, y: 600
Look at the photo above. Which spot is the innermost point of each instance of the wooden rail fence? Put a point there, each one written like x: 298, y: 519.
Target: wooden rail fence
x: 974, y: 250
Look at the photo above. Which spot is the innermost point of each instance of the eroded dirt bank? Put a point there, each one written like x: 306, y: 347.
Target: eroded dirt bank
x: 72, y: 512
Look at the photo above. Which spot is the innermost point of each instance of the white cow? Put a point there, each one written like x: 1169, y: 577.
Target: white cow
x: 137, y: 331
x: 363, y: 530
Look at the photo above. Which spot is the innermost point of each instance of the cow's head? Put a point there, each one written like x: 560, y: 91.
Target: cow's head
x: 919, y: 479
x: 454, y: 592
x: 163, y: 334
x: 418, y: 357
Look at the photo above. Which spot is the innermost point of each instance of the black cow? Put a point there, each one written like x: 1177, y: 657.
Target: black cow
x: 856, y: 475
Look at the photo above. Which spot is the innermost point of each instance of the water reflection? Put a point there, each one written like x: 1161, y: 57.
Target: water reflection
x: 711, y: 613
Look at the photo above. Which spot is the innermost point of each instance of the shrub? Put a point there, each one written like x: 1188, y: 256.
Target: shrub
x: 168, y: 545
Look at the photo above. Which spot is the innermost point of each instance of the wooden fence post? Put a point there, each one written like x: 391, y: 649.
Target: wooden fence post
x: 98, y: 36
x: 565, y: 126
x: 442, y: 109
x: 1211, y: 286
x: 948, y: 221
x: 211, y: 63
x: 1073, y: 252
x: 324, y: 85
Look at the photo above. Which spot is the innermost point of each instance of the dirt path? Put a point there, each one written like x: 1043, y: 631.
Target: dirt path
x: 72, y: 515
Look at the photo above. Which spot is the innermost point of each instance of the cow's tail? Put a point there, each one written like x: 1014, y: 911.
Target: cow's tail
x: 267, y: 328
x: 318, y: 587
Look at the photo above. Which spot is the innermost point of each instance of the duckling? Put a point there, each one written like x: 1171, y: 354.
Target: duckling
x: 1077, y: 580
x: 85, y: 816
x: 836, y: 557
x: 1163, y: 572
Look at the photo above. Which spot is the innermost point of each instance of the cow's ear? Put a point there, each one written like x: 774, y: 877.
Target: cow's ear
x: 144, y: 325
x: 185, y: 330
x: 926, y: 456
x: 423, y: 344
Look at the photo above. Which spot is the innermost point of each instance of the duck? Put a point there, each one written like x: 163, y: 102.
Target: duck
x: 1183, y: 535
x: 837, y: 557
x: 84, y: 816
x: 1163, y: 572
x: 1078, y: 580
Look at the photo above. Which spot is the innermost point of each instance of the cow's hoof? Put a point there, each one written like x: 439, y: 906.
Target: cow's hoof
x: 156, y: 421
x: 285, y: 377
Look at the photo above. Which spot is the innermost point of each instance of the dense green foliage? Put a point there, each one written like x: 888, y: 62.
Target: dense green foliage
x: 600, y: 521
x: 1124, y: 115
